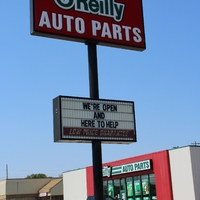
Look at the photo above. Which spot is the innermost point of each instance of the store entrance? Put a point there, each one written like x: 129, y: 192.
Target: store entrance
x: 132, y: 188
x: 123, y: 194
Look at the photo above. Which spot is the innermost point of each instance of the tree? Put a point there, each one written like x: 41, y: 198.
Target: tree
x: 37, y: 176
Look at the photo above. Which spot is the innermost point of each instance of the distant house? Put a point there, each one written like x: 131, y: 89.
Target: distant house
x: 52, y: 190
x: 31, y: 189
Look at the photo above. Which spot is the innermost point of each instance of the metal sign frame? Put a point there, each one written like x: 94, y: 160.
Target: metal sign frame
x: 84, y: 120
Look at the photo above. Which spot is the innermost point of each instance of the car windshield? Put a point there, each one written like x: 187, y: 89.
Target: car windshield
x: 106, y: 197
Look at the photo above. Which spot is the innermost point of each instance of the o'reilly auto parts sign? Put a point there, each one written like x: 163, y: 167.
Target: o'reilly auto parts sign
x: 117, y: 23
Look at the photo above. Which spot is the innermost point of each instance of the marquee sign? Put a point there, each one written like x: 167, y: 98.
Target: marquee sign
x: 84, y: 119
x: 116, y: 23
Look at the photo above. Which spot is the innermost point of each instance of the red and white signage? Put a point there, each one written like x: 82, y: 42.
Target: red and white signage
x: 43, y: 194
x: 84, y: 119
x: 116, y: 23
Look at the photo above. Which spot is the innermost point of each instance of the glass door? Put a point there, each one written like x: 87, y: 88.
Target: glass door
x: 129, y: 188
x: 123, y: 195
x: 137, y: 188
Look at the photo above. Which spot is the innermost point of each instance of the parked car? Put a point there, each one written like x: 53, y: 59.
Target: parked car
x: 106, y: 197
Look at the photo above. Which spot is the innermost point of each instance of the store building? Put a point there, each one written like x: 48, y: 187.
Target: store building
x: 165, y: 175
x: 52, y: 190
x: 31, y: 189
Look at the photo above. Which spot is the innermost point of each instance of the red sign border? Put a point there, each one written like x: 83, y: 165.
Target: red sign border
x: 85, y: 40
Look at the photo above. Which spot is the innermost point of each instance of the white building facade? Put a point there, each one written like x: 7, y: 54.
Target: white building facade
x: 168, y: 175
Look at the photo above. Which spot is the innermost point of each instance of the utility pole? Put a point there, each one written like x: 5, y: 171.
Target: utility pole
x: 195, y: 143
x: 6, y: 171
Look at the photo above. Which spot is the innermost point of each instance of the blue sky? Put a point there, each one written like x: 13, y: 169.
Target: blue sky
x: 163, y: 81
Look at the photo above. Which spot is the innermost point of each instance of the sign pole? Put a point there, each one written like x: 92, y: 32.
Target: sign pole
x: 96, y: 144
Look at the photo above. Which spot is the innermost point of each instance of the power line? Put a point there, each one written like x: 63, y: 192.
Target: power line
x: 195, y: 143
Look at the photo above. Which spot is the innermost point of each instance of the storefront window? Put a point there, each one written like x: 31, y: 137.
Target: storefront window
x: 145, y: 185
x: 132, y: 188
x: 123, y: 190
x: 152, y: 186
x: 105, y: 187
x: 129, y: 188
x: 137, y: 186
x: 116, y: 187
x: 123, y: 185
x: 110, y: 188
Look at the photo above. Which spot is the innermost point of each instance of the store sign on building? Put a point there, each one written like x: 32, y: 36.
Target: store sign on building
x: 116, y: 23
x: 107, y: 170
x: 131, y: 167
x: 84, y: 119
